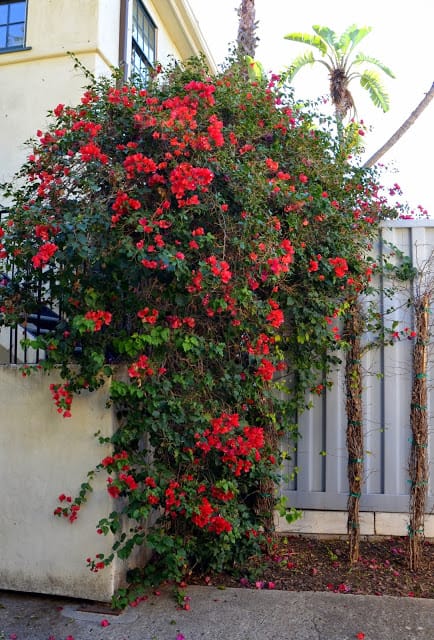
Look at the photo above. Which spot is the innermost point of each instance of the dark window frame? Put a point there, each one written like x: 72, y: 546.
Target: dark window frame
x: 138, y: 52
x: 9, y: 23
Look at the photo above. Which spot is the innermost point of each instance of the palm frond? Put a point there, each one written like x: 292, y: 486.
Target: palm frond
x: 307, y: 38
x: 343, y: 43
x: 351, y: 37
x: 327, y: 35
x: 300, y: 62
x: 356, y: 34
x: 361, y: 58
x: 371, y: 82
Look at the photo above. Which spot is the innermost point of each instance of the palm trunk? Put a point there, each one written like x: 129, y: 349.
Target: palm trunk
x: 246, y: 38
x: 340, y: 129
x: 402, y: 129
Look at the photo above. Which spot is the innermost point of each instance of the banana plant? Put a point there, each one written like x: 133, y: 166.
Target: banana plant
x: 343, y: 65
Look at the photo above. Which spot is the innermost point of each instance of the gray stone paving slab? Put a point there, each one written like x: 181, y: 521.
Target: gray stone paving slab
x: 215, y: 614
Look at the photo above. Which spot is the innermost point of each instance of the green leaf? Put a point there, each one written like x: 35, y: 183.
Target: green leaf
x: 327, y: 35
x: 370, y: 81
x: 307, y: 38
x: 254, y: 69
x: 293, y: 514
x: 361, y: 58
x: 300, y: 62
x: 356, y: 34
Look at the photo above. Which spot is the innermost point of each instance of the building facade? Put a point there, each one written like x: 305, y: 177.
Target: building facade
x: 37, y: 72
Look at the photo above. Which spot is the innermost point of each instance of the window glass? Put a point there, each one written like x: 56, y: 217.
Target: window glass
x: 16, y: 35
x: 12, y: 24
x: 17, y: 11
x: 144, y: 40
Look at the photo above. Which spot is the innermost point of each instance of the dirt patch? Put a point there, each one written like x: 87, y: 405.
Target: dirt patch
x: 298, y: 563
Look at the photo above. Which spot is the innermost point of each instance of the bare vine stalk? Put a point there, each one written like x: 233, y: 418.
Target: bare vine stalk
x: 355, y: 445
x: 418, y: 461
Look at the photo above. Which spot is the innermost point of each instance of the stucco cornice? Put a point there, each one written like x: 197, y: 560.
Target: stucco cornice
x: 180, y: 22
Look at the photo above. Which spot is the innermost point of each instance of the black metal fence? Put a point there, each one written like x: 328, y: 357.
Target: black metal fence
x: 14, y: 339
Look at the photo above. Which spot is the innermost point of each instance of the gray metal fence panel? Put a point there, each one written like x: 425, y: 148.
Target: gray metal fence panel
x: 321, y: 454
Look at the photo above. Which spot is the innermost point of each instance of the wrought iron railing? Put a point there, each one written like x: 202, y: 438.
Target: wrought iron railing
x: 14, y: 339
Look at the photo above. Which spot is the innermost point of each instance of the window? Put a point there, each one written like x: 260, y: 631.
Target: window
x: 144, y: 33
x: 12, y: 24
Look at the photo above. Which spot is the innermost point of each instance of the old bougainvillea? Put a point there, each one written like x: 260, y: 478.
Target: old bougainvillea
x: 200, y: 237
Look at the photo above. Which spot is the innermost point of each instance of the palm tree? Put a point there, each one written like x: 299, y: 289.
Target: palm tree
x: 342, y: 65
x: 341, y: 71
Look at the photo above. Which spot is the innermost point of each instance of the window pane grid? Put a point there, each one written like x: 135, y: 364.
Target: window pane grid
x: 143, y: 41
x: 12, y: 24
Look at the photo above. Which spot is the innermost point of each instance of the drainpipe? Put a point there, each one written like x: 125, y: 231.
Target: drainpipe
x: 123, y: 38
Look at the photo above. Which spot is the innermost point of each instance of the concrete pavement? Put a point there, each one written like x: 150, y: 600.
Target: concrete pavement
x: 215, y: 614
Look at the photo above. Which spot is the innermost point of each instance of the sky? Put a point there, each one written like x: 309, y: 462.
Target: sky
x: 401, y: 38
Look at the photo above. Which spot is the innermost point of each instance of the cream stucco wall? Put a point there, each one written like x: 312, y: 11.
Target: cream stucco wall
x: 41, y: 456
x: 37, y: 79
x: 179, y: 33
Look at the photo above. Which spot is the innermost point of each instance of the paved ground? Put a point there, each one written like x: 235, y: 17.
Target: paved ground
x: 230, y: 614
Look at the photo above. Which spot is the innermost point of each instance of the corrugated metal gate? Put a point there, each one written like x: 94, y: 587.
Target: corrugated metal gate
x: 320, y: 454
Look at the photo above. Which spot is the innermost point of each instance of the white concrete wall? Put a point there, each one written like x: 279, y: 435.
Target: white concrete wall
x: 43, y: 455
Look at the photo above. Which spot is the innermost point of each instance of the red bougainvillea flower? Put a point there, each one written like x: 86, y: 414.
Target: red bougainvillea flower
x: 202, y: 518
x: 313, y: 266
x: 113, y: 489
x: 141, y: 368
x: 99, y: 318
x: 266, y: 370
x: 205, y: 90
x: 340, y: 266
x: 91, y: 152
x: 271, y: 164
x: 129, y: 481
x: 219, y: 525
x: 220, y: 494
x: 148, y: 315
x: 46, y: 251
x: 275, y: 317
x: 62, y: 398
